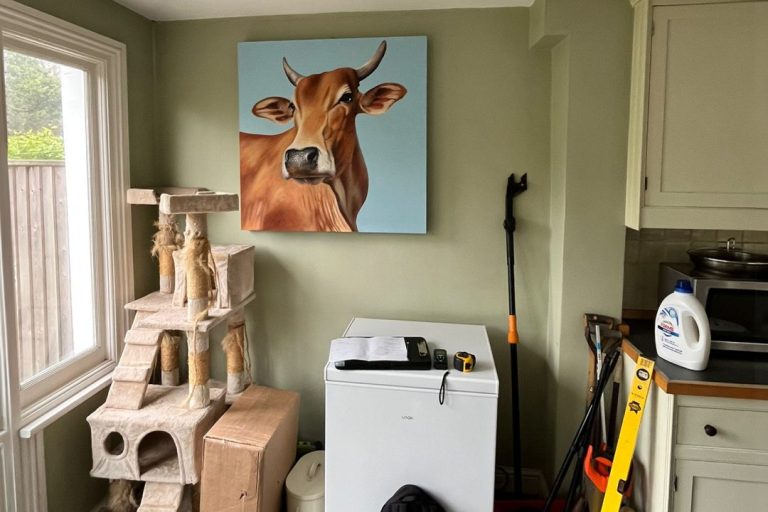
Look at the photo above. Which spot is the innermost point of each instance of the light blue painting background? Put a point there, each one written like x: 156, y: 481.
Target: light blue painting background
x: 393, y: 144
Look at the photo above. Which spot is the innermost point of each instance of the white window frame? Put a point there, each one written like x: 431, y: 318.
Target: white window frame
x: 54, y: 392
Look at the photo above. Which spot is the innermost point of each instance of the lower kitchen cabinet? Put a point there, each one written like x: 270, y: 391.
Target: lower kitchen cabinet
x: 705, y: 486
x: 700, y: 454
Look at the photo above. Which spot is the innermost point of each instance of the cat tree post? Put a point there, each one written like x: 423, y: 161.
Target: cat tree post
x: 169, y: 359
x: 200, y: 279
x: 238, y: 369
x: 167, y: 238
x: 199, y: 361
x: 165, y: 242
x: 197, y: 265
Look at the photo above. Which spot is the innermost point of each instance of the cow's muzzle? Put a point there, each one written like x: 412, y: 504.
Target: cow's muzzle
x: 302, y: 165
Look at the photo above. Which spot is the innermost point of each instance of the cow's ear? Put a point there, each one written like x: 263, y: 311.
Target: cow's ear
x: 276, y: 109
x: 379, y: 99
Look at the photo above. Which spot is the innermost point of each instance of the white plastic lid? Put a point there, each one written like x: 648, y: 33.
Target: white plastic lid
x: 306, y: 481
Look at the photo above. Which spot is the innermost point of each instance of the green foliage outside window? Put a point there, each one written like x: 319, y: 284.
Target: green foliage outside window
x: 39, y: 145
x: 33, y: 104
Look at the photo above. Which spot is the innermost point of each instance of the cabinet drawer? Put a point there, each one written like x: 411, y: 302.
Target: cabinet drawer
x: 722, y: 428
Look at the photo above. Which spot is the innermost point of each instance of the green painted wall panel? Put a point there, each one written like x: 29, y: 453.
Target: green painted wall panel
x: 590, y: 105
x: 488, y: 111
x: 68, y: 461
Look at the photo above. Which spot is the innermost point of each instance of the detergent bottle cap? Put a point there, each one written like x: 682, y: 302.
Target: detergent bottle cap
x: 683, y: 286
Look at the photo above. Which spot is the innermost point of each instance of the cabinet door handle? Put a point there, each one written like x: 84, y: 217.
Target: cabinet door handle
x: 710, y: 430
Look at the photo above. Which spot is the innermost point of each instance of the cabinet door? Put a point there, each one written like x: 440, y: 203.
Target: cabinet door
x: 707, y: 142
x: 715, y: 487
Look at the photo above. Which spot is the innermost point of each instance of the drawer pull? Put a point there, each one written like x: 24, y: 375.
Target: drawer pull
x: 710, y: 430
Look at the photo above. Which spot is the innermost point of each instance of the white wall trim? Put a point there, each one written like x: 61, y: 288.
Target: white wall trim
x: 32, y: 428
x: 35, y: 486
x: 9, y: 373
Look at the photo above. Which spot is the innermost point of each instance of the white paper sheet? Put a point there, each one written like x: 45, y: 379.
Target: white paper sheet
x: 377, y: 348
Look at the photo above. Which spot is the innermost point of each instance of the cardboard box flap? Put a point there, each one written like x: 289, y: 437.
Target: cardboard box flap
x: 255, y: 416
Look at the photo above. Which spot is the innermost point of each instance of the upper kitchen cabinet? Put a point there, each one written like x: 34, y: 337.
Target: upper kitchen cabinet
x: 698, y: 133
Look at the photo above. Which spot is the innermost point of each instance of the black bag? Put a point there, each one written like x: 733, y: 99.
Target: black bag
x: 410, y: 498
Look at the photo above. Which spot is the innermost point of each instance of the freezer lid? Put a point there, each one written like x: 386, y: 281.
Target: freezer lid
x: 451, y: 337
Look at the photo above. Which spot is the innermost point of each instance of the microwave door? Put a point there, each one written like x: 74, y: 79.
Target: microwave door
x: 738, y: 315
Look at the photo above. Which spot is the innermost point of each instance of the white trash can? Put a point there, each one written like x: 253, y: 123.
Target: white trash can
x: 305, y: 484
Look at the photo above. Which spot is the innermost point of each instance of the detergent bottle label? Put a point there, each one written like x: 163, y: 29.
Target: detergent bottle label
x: 668, y: 325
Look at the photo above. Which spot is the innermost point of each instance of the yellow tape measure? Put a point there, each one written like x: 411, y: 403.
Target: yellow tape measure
x: 630, y: 426
x: 464, y: 361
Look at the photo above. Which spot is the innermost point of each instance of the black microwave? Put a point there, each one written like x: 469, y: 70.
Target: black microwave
x: 737, y: 307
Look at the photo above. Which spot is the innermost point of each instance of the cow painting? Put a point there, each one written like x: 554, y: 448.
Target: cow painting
x: 312, y: 176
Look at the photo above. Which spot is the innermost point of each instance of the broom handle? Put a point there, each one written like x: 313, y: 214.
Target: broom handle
x: 512, y: 335
x: 513, y: 338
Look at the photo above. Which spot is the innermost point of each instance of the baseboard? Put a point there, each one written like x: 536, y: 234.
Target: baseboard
x: 534, y: 483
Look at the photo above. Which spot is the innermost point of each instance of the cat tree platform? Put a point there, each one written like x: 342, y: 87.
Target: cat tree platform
x: 160, y: 313
x: 161, y: 442
x: 151, y: 196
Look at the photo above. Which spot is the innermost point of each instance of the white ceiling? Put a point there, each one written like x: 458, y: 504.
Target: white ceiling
x: 167, y: 10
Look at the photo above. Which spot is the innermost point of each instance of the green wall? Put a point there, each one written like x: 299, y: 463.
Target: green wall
x: 488, y: 110
x: 67, y: 442
x: 591, y: 51
x: 68, y: 461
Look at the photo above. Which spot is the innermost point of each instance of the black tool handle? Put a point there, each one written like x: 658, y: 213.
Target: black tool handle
x: 513, y: 188
x: 584, y: 428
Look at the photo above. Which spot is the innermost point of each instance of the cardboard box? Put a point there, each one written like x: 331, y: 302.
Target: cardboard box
x: 248, y: 453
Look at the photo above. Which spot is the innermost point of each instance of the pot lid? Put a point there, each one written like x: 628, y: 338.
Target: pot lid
x: 729, y: 260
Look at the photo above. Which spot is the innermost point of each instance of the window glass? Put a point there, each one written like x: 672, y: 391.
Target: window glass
x: 49, y: 183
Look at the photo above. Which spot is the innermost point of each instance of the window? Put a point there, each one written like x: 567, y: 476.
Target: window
x: 64, y: 227
x: 50, y: 216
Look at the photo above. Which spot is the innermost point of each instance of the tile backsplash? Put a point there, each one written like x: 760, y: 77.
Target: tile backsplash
x: 647, y: 248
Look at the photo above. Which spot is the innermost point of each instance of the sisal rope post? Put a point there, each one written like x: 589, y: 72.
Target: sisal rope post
x: 169, y: 359
x: 199, y: 362
x: 196, y: 265
x: 236, y: 348
x: 164, y: 242
x: 200, y: 280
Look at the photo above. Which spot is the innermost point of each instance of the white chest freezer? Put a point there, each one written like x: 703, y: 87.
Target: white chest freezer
x: 386, y: 428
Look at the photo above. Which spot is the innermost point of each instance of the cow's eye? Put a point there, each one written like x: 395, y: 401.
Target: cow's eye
x: 346, y: 98
x: 292, y: 107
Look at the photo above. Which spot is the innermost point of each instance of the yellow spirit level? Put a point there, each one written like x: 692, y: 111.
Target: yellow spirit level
x: 464, y: 361
x: 630, y: 426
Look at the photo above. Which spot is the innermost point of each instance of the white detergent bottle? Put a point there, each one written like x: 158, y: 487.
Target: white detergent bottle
x: 682, y: 329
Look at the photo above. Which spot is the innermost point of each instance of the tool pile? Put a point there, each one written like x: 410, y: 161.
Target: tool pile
x: 594, y: 445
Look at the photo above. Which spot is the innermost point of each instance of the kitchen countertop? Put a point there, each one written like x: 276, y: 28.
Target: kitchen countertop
x: 728, y: 374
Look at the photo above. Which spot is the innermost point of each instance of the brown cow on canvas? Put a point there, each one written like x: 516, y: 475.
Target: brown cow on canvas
x: 312, y: 177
